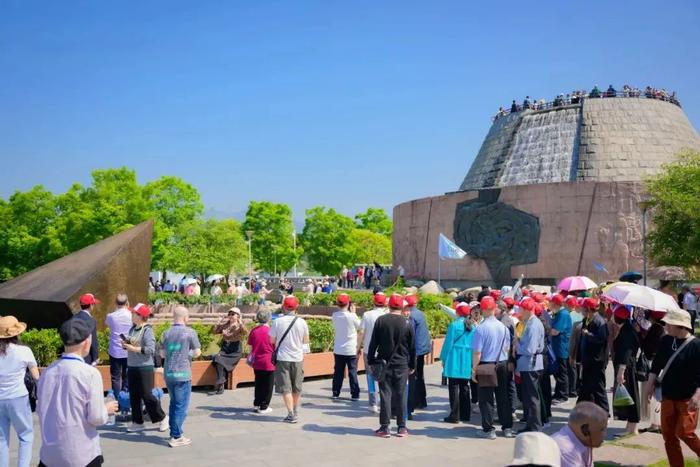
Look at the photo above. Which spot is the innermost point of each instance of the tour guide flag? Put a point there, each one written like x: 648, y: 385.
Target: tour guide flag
x: 448, y: 250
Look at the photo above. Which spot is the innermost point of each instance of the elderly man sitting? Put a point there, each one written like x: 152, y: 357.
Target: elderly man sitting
x: 586, y: 430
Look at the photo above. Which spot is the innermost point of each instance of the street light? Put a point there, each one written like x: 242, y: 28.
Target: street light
x: 249, y: 233
x: 645, y: 204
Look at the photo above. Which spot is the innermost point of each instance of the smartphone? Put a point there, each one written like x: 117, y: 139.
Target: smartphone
x: 123, y: 337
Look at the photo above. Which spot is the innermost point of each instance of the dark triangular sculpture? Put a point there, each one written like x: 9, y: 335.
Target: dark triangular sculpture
x: 44, y: 297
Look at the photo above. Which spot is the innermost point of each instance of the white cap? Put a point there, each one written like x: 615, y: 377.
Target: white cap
x: 536, y: 449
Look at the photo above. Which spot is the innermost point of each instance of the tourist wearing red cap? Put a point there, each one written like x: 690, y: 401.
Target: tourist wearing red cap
x: 392, y: 346
x: 290, y: 336
x: 87, y: 306
x: 456, y: 359
x: 417, y: 394
x: 530, y: 367
x: 593, y: 355
x: 625, y: 349
x: 561, y: 334
x: 140, y: 345
x: 491, y: 346
x: 363, y: 339
x: 571, y: 304
x: 345, y: 326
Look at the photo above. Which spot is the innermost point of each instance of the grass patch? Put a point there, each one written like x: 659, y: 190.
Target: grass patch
x: 620, y: 443
x: 687, y: 463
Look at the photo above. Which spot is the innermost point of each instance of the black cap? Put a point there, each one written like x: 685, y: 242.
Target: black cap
x: 74, y: 331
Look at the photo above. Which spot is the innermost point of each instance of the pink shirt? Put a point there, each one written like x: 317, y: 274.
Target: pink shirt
x: 260, y: 347
x: 573, y: 452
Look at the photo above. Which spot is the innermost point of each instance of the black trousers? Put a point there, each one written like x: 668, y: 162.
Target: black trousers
x: 593, y: 385
x: 341, y: 362
x: 141, y: 389
x: 561, y: 390
x: 264, y: 385
x: 474, y: 389
x: 117, y: 372
x: 96, y: 462
x: 529, y: 385
x: 546, y: 395
x: 417, y: 394
x: 502, y: 402
x: 574, y: 369
x: 460, y: 405
x: 392, y: 392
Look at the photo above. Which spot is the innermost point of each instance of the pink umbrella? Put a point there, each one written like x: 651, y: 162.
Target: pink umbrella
x: 574, y: 283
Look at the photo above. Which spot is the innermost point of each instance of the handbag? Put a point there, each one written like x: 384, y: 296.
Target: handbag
x: 486, y: 372
x: 277, y: 347
x: 642, y: 367
x: 30, y: 384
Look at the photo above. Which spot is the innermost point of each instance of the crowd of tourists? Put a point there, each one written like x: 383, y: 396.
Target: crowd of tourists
x: 577, y: 96
x: 499, y: 356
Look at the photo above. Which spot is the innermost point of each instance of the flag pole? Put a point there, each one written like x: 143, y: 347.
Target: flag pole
x: 439, y: 263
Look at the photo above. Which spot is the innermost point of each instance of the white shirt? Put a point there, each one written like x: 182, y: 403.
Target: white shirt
x: 345, y: 325
x: 118, y: 322
x: 367, y: 325
x: 241, y: 291
x: 70, y: 404
x: 13, y: 366
x: 690, y: 301
x: 292, y: 347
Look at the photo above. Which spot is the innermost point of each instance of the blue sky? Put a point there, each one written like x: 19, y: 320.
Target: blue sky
x: 343, y: 104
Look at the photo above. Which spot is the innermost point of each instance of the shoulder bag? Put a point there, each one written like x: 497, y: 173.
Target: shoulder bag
x: 277, y: 346
x: 486, y: 372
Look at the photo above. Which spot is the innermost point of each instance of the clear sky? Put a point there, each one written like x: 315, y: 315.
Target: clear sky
x: 347, y: 104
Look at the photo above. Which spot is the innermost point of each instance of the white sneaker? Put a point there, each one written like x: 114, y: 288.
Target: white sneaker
x: 374, y: 408
x: 267, y: 410
x: 164, y: 424
x: 134, y: 427
x: 181, y: 441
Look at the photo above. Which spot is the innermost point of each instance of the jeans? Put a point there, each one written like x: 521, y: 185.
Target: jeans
x: 417, y: 397
x: 179, y: 392
x: 392, y: 392
x: 561, y: 390
x: 529, y: 384
x: 342, y: 361
x: 371, y: 384
x: 678, y: 423
x: 117, y: 371
x: 16, y: 413
x: 460, y: 406
x: 486, y: 400
x: 141, y: 389
x: 264, y: 384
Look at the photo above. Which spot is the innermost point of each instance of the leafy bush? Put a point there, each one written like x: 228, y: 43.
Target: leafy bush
x: 437, y: 322
x: 103, y: 342
x: 46, y: 344
x: 321, y: 335
x: 176, y: 298
x: 205, y: 333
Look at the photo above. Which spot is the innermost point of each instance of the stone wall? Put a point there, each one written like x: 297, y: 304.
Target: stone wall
x: 580, y: 223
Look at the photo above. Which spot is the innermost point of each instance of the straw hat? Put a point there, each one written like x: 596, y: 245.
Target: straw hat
x: 10, y: 327
x: 678, y: 318
x: 534, y: 448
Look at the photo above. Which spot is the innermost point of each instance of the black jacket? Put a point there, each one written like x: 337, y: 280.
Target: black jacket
x: 94, y: 347
x: 593, y: 348
x: 393, y: 331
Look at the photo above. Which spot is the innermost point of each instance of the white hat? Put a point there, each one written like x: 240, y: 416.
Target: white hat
x: 678, y: 318
x: 537, y: 449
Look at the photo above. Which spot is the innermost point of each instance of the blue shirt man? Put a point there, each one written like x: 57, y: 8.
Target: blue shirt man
x: 562, y: 324
x: 531, y: 346
x: 492, y: 340
x: 529, y: 365
x: 417, y: 393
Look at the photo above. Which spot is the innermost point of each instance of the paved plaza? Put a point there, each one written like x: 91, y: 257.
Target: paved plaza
x: 224, y: 431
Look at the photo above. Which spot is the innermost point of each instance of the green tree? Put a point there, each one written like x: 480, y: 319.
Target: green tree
x: 326, y: 240
x: 207, y: 247
x: 375, y: 220
x: 368, y: 247
x: 674, y: 202
x: 273, y: 236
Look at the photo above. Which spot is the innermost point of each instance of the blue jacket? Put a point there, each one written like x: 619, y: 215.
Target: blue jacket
x: 456, y: 354
x: 420, y: 328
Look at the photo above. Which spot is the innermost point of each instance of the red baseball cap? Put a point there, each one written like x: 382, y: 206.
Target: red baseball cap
x: 463, y: 309
x: 290, y: 303
x: 396, y: 301
x: 88, y: 299
x: 141, y: 310
x: 411, y: 300
x: 342, y: 300
x: 571, y: 301
x: 527, y: 304
x: 538, y: 310
x: 495, y: 294
x: 379, y: 299
x: 509, y: 301
x: 487, y: 303
x: 557, y: 299
x: 590, y: 303
x: 539, y: 298
x: 526, y: 292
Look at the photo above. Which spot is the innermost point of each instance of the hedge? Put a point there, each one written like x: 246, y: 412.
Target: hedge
x: 176, y: 298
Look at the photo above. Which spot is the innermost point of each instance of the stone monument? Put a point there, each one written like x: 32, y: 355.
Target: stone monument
x: 47, y: 296
x: 550, y: 193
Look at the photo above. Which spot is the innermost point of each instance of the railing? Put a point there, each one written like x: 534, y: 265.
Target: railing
x: 578, y: 100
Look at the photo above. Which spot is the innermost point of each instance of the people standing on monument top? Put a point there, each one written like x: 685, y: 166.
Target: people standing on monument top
x: 118, y: 322
x: 87, y: 305
x: 526, y: 103
x: 513, y: 107
x: 611, y: 92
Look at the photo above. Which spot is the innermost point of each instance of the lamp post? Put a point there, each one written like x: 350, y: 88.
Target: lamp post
x: 294, y: 239
x: 249, y: 234
x: 644, y: 204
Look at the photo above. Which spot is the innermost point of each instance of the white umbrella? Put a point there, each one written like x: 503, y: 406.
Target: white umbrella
x: 215, y: 277
x: 641, y: 296
x: 189, y: 280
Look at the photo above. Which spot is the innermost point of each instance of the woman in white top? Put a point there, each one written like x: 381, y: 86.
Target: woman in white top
x: 15, y: 359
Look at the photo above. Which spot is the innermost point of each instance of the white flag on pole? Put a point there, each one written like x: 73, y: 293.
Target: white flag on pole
x: 448, y: 250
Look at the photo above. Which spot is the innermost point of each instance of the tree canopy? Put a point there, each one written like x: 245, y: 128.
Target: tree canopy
x: 326, y: 240
x: 675, y: 212
x: 375, y: 220
x: 273, y: 236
